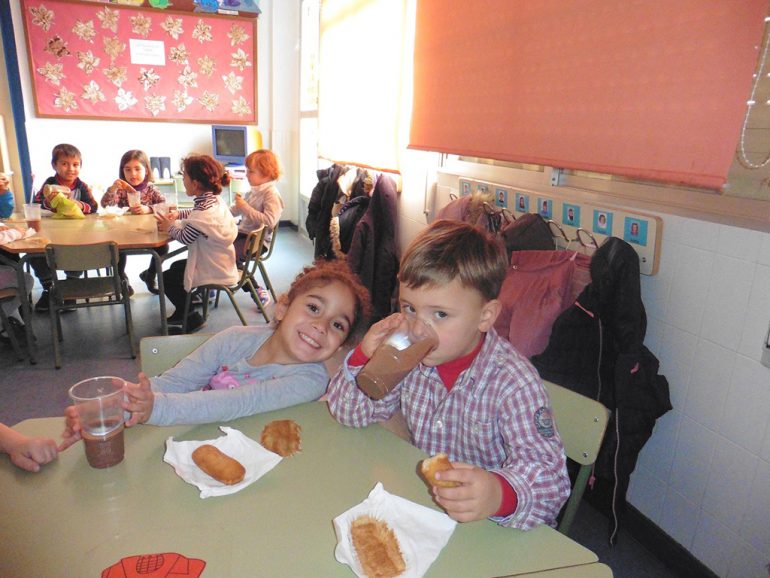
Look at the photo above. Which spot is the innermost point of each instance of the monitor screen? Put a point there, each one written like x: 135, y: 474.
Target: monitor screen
x: 230, y: 142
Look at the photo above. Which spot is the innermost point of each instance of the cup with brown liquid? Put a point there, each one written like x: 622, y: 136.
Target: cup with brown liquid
x: 401, y: 351
x: 98, y: 401
x: 32, y: 215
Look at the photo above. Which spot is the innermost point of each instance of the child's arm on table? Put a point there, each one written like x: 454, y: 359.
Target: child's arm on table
x: 348, y: 404
x: 26, y: 453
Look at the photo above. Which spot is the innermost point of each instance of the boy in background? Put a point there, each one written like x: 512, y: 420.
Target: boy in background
x: 66, y: 160
x: 473, y: 397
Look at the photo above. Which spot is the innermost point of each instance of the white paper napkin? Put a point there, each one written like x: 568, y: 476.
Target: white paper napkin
x: 422, y: 532
x: 112, y: 211
x: 255, y: 459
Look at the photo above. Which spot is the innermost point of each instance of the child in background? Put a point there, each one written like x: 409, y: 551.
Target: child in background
x: 473, y: 397
x: 9, y: 278
x: 6, y: 197
x: 66, y: 160
x: 135, y: 174
x: 262, y: 206
x: 27, y: 453
x: 246, y: 370
x: 208, y: 230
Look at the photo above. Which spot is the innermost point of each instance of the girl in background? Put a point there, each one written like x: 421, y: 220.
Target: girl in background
x: 134, y: 175
x: 261, y: 207
x: 208, y: 230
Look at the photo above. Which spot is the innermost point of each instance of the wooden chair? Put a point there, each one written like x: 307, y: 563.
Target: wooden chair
x: 581, y: 422
x: 265, y: 257
x: 159, y: 353
x: 252, y: 258
x: 90, y: 291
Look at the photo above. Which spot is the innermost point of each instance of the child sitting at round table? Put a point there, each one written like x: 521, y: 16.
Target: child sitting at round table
x: 208, y: 230
x: 135, y: 176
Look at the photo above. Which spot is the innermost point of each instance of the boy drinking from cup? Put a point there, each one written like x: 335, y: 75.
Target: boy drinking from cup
x: 473, y: 397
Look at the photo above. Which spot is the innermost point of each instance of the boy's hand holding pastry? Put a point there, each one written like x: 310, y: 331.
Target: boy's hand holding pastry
x: 474, y: 494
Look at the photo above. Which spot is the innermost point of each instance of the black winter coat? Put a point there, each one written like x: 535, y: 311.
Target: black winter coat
x: 596, y: 348
x: 373, y: 253
x: 319, y: 209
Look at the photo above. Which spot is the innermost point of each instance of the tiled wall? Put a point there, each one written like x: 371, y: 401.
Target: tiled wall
x: 704, y: 476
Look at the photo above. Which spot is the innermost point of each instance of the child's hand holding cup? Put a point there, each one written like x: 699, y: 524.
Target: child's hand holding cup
x: 400, y: 352
x: 98, y: 403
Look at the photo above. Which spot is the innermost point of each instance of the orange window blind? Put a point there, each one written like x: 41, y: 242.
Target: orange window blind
x: 650, y: 90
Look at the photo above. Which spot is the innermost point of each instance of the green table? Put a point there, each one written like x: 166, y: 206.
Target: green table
x: 72, y: 520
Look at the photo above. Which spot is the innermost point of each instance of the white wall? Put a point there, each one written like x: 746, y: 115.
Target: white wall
x: 102, y: 143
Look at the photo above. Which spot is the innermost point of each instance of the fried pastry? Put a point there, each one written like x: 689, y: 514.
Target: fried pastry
x: 282, y: 437
x: 377, y: 548
x: 218, y: 465
x: 438, y: 463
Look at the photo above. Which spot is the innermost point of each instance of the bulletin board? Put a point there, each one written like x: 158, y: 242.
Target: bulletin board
x: 109, y: 61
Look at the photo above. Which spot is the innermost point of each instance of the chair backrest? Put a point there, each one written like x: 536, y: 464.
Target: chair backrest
x: 581, y: 422
x: 82, y: 257
x: 252, y: 249
x: 160, y: 352
x: 273, y: 234
x: 252, y: 254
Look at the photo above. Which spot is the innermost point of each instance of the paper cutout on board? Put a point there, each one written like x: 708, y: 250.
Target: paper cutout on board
x: 165, y: 565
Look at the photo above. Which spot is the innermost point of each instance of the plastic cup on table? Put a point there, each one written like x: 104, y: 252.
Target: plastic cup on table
x: 98, y: 402
x: 32, y: 215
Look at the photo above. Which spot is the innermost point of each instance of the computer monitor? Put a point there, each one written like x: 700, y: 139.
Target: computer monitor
x: 231, y: 144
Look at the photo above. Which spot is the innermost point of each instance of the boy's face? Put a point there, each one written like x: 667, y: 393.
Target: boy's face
x: 458, y: 314
x: 4, y: 183
x: 67, y: 169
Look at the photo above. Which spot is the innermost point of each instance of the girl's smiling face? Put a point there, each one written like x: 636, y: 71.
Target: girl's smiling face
x: 316, y: 323
x: 134, y: 172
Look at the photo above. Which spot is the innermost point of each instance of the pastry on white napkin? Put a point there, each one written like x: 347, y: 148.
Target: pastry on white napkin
x: 255, y: 459
x: 422, y: 532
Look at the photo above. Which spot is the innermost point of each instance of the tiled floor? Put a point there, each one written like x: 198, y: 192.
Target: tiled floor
x: 95, y: 344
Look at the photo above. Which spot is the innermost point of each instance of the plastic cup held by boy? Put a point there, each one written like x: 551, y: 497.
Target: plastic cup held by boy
x: 401, y: 351
x: 98, y: 401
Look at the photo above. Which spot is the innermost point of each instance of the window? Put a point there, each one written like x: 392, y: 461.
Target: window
x: 364, y: 50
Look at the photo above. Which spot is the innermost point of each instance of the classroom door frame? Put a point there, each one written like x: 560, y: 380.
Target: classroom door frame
x: 17, y: 96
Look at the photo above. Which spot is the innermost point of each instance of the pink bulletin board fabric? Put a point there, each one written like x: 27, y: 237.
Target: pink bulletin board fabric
x: 651, y: 90
x: 82, y: 63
